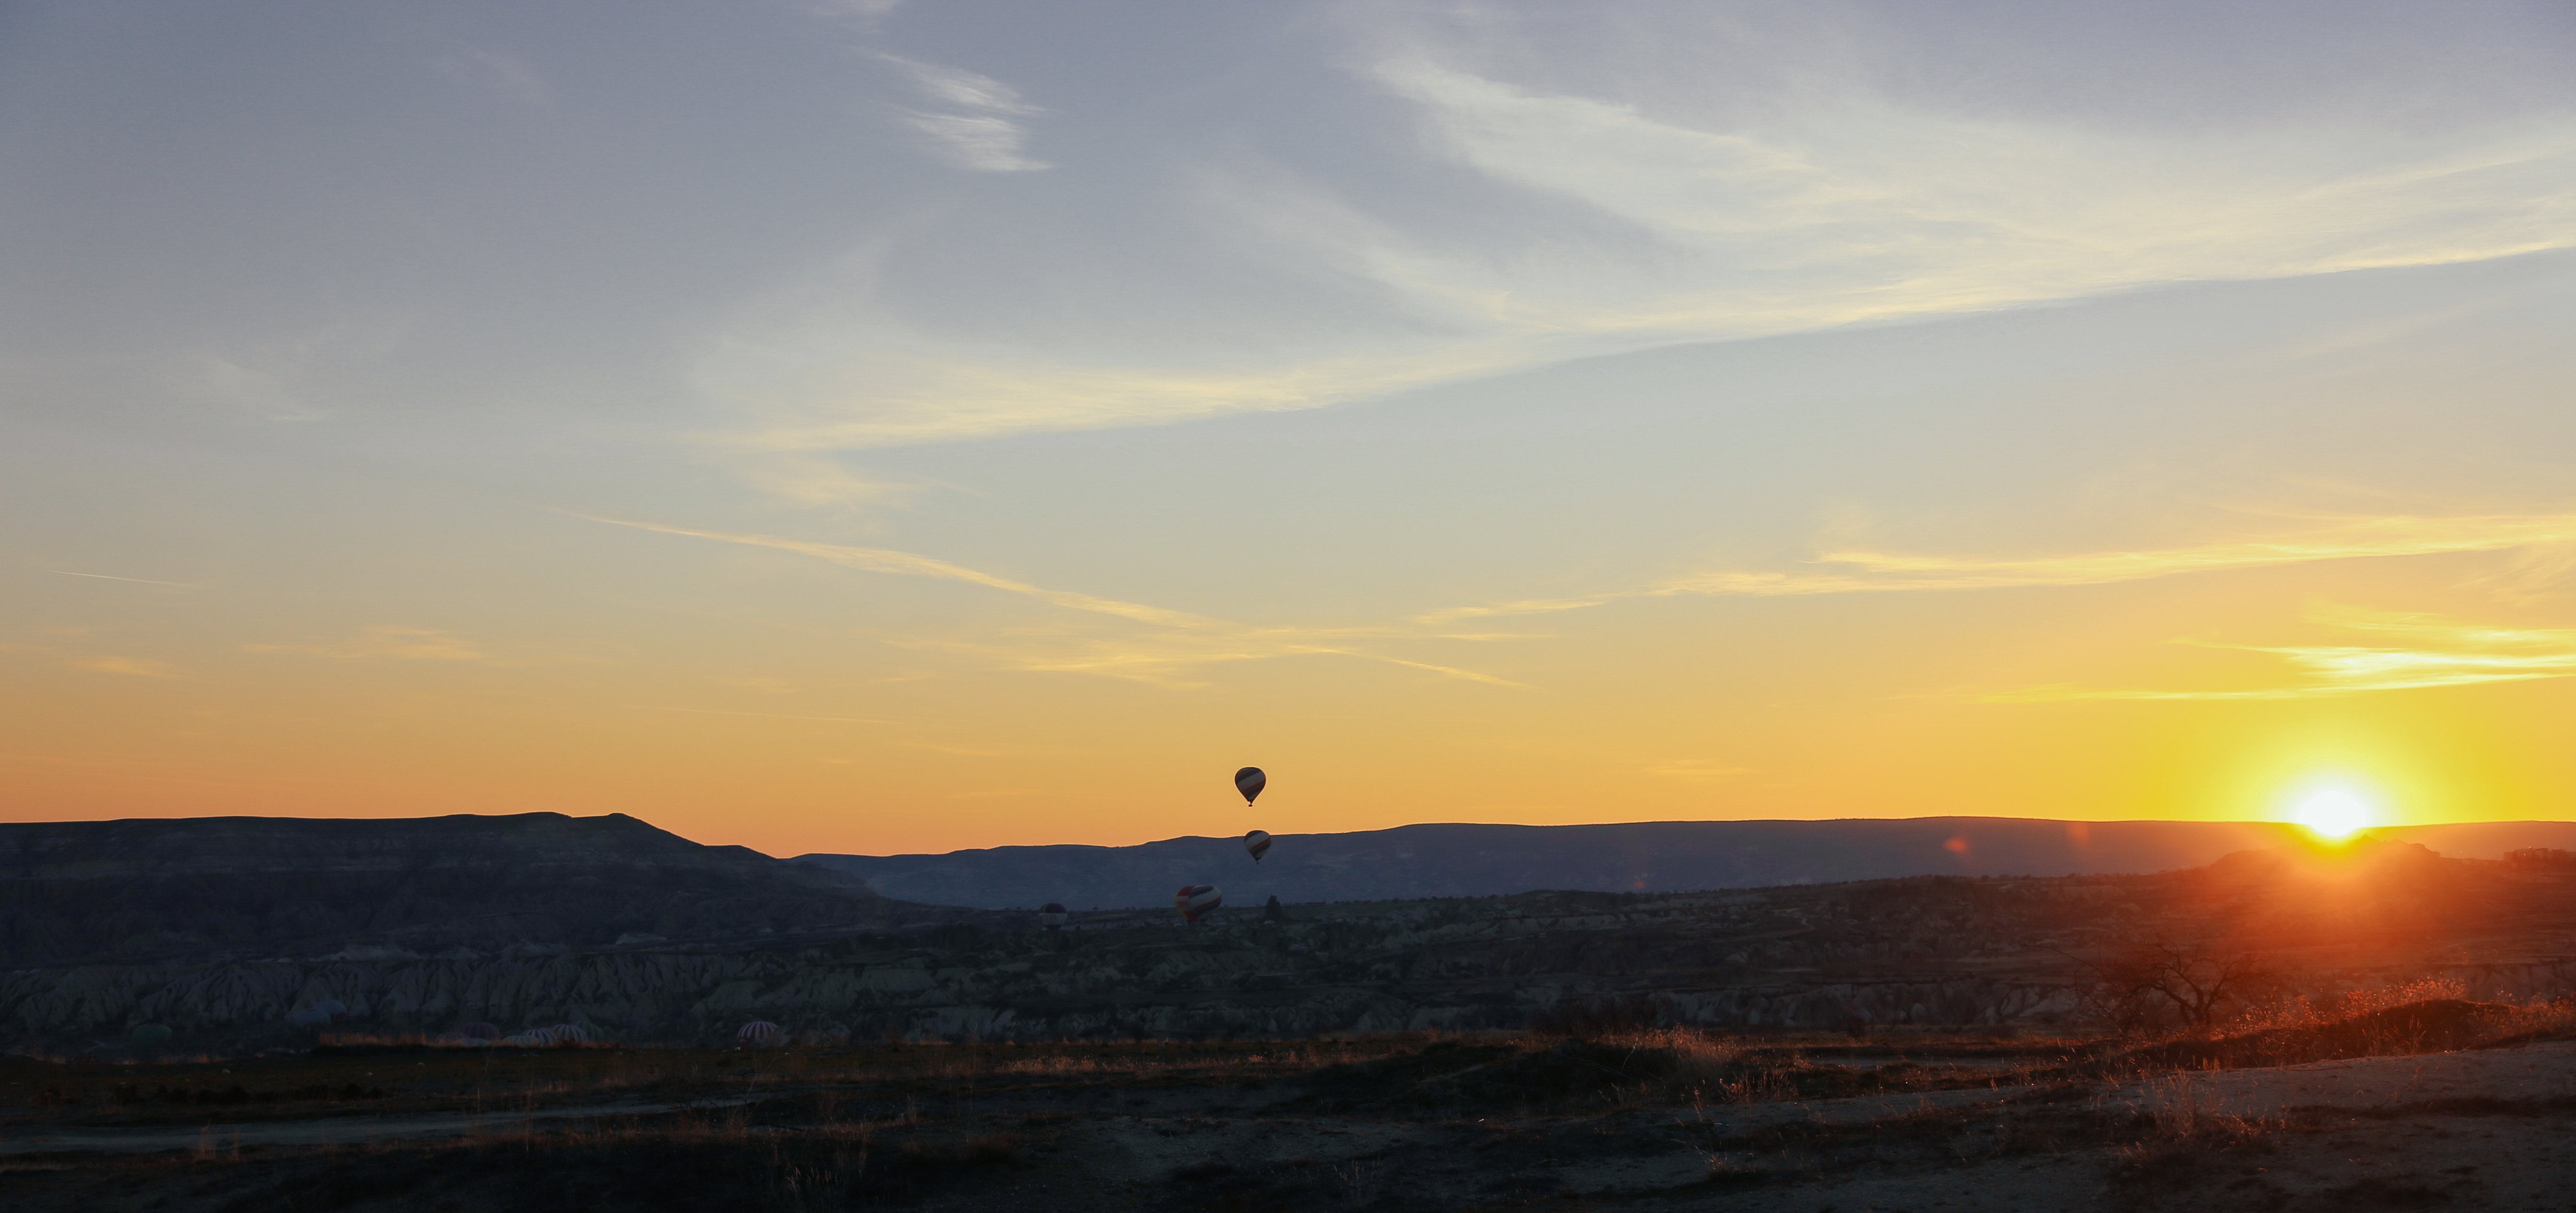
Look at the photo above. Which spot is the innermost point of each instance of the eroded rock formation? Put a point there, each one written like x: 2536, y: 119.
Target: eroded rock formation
x: 1920, y: 951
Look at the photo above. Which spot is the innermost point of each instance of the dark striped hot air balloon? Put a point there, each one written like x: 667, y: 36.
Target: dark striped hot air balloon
x: 1257, y: 842
x: 1197, y: 901
x: 759, y: 1034
x: 1249, y: 781
x: 1052, y: 915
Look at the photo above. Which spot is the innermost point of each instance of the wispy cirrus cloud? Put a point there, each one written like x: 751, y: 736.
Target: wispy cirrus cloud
x: 185, y: 585
x: 1178, y: 642
x: 1862, y: 207
x: 132, y: 667
x: 2427, y: 651
x: 1853, y: 571
x: 389, y: 642
x: 973, y: 121
x: 1606, y: 225
x: 907, y: 564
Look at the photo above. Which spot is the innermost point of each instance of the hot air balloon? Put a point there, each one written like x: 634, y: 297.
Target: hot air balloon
x: 1196, y: 901
x: 568, y: 1034
x: 1052, y: 915
x: 1257, y: 842
x: 1249, y: 781
x: 759, y: 1034
x: 151, y: 1035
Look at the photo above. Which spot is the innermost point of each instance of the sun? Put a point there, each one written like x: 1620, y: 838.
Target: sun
x: 2334, y: 814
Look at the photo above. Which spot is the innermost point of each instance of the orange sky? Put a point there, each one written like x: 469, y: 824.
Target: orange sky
x: 919, y: 429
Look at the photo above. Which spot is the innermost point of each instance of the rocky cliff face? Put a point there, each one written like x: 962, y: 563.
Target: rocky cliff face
x: 1923, y: 951
x: 145, y: 890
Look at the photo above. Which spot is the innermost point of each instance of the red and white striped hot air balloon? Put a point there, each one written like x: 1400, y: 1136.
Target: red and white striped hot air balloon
x: 1257, y: 842
x: 759, y: 1034
x: 1196, y: 901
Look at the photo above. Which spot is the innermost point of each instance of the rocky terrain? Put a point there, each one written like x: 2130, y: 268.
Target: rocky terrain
x: 1920, y: 952
x: 1660, y: 857
x: 2379, y: 1033
x: 2439, y: 1113
x: 191, y: 890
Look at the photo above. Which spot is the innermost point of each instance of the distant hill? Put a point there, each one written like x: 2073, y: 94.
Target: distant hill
x: 150, y: 889
x: 1660, y: 856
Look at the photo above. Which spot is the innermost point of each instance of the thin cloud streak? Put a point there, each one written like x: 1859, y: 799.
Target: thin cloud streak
x: 136, y: 667
x: 1866, y: 572
x: 1164, y: 660
x: 185, y: 585
x: 907, y: 564
x: 1187, y: 641
x: 390, y: 642
x: 2441, y: 654
x: 645, y: 707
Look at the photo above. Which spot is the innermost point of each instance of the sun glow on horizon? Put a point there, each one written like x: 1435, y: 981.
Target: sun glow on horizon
x: 2334, y: 813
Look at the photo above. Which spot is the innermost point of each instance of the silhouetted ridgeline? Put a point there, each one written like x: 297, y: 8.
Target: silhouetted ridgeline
x: 1658, y: 856
x: 149, y: 889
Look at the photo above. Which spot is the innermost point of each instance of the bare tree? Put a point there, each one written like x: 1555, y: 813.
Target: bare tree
x: 2194, y: 980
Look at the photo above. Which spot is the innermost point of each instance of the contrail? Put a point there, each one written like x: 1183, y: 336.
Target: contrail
x: 185, y: 585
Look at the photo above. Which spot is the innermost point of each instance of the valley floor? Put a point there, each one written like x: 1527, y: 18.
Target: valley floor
x: 1646, y: 1123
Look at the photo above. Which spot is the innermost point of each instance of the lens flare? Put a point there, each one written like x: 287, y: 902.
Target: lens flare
x: 2334, y: 814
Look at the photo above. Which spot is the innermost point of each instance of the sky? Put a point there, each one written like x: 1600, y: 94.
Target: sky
x: 872, y: 427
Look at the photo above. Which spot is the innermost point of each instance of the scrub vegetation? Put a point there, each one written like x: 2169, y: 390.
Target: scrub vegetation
x: 1569, y: 1118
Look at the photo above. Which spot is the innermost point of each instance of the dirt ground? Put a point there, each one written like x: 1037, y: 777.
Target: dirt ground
x: 1645, y: 1123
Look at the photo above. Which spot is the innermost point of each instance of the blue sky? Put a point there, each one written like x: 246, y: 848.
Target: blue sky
x: 1632, y: 410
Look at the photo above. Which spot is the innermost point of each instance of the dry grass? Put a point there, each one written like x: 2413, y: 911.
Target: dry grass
x: 2375, y: 1025
x: 953, y: 1125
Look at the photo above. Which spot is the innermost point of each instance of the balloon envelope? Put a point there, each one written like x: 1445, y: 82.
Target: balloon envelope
x: 1196, y: 900
x: 152, y: 1035
x: 1257, y: 842
x: 1052, y: 915
x: 759, y: 1034
x: 1250, y: 781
